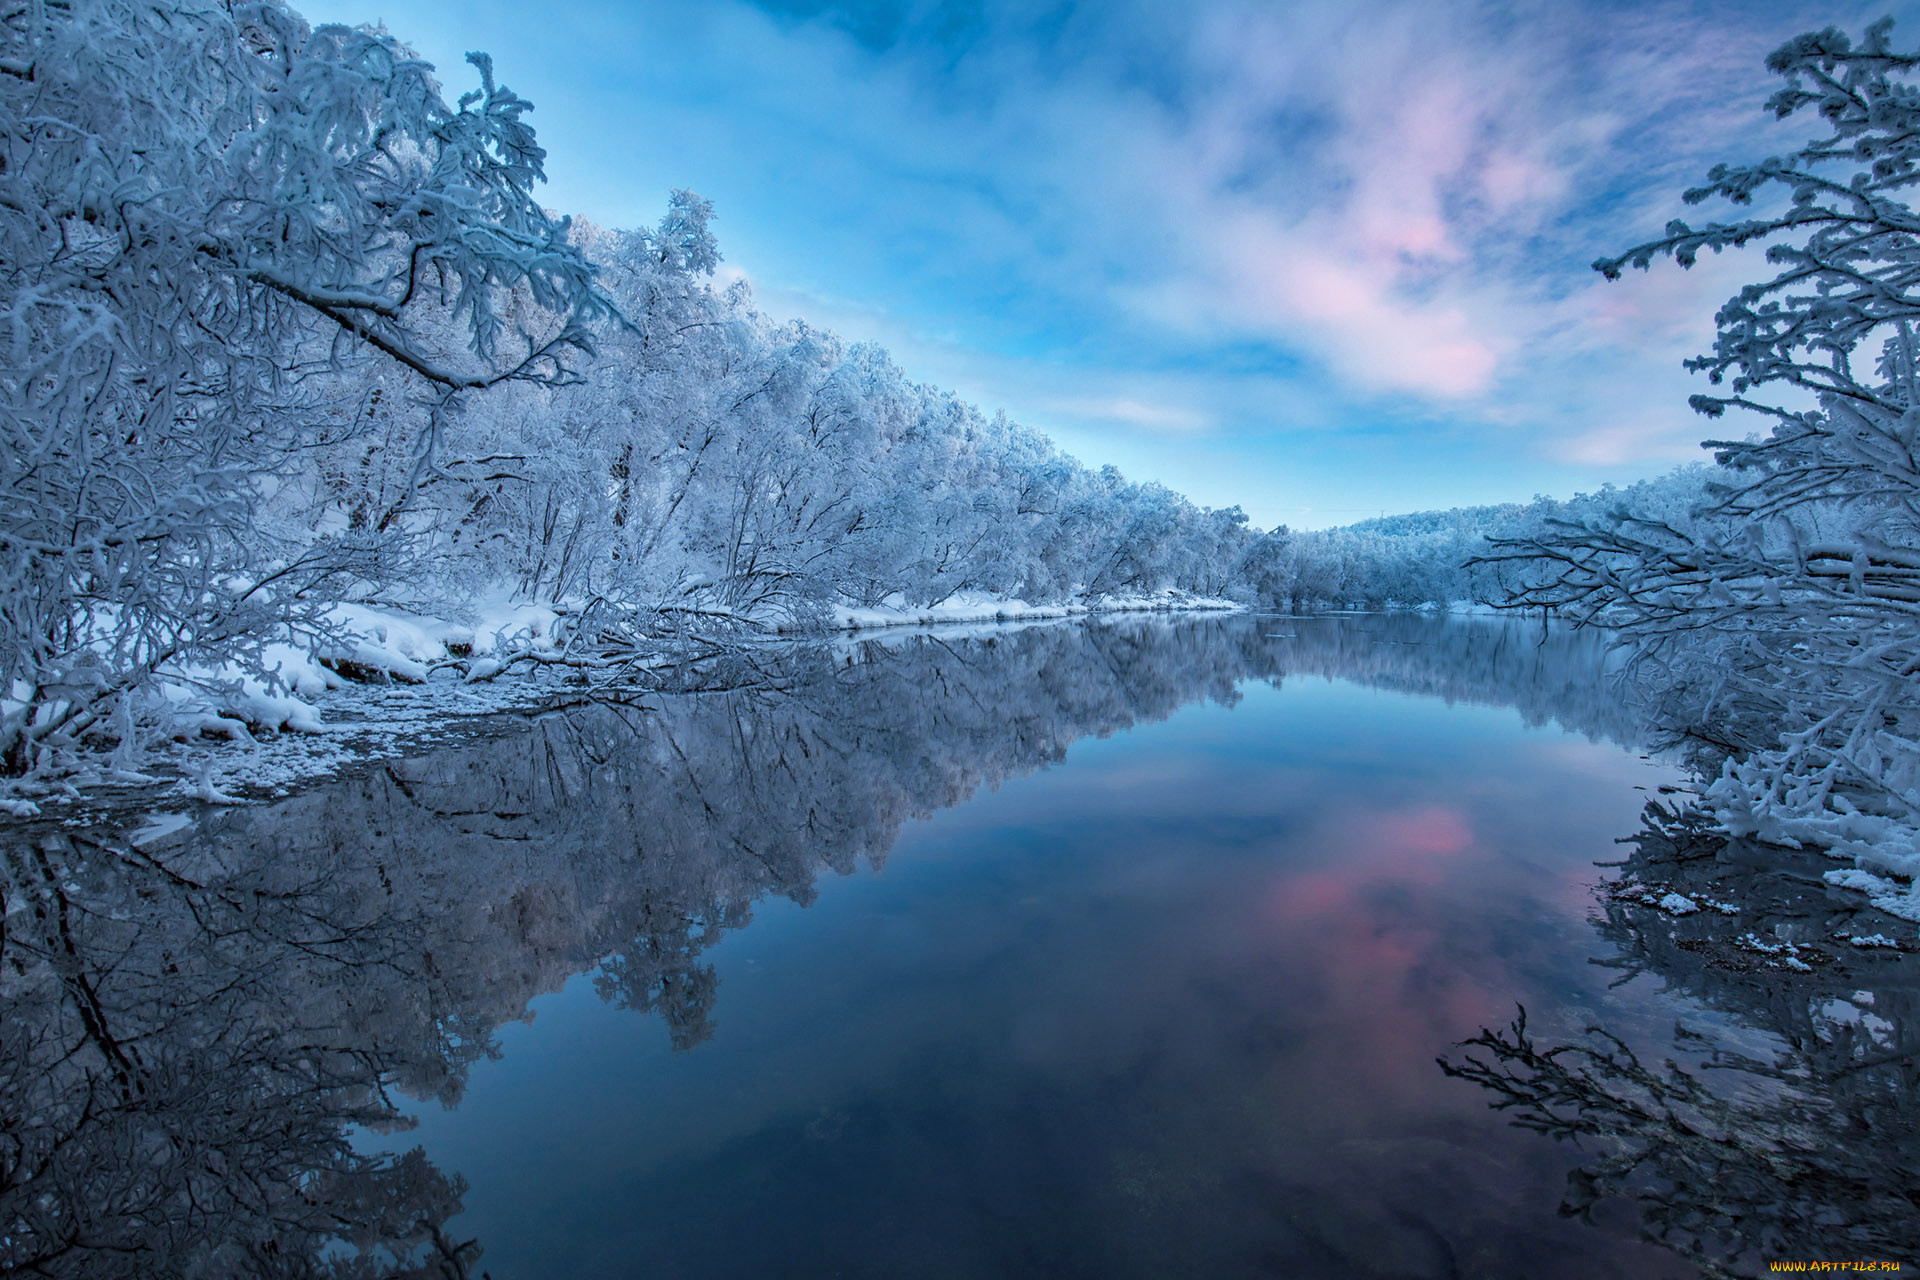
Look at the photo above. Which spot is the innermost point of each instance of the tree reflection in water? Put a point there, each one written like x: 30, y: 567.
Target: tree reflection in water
x: 1806, y: 1150
x: 196, y: 1023
x: 180, y: 1064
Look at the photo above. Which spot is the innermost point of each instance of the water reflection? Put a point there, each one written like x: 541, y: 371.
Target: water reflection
x: 187, y: 1039
x: 195, y: 1025
x: 1786, y: 1129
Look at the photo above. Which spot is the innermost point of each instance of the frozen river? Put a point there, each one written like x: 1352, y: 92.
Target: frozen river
x: 1105, y: 949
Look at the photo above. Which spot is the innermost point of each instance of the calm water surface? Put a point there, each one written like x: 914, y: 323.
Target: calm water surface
x: 1119, y: 949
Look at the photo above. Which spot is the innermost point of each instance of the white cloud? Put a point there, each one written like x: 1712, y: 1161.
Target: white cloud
x: 1179, y: 419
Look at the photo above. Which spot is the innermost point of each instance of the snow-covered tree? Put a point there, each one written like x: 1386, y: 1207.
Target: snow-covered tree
x: 1783, y: 610
x: 211, y: 214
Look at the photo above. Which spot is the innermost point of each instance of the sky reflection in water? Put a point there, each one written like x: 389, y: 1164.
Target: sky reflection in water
x: 1124, y: 948
x: 1168, y: 1007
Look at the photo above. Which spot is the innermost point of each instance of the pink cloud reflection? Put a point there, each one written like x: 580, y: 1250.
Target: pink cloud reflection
x: 1391, y: 985
x: 1434, y: 829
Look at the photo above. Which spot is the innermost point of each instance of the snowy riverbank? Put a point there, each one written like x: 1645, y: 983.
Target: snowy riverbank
x: 386, y: 682
x: 974, y: 606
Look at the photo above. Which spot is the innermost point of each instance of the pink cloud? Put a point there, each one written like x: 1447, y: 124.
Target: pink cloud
x: 1362, y: 243
x: 1401, y: 230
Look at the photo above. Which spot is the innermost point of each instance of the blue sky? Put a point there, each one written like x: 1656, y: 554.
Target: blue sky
x: 1321, y: 260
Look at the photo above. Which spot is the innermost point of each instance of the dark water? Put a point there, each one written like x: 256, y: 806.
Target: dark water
x: 1119, y: 949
